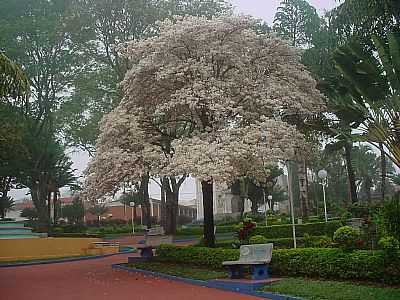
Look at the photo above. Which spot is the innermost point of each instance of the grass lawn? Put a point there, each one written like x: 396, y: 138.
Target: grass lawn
x: 330, y: 290
x: 193, y: 272
x: 37, y: 260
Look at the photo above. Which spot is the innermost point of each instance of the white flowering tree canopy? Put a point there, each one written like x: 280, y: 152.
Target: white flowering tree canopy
x: 212, y: 96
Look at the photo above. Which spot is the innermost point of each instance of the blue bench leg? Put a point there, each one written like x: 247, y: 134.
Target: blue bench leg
x: 147, y: 252
x: 235, y: 272
x: 259, y: 272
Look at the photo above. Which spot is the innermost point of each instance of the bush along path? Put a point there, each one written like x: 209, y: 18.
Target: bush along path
x: 326, y: 263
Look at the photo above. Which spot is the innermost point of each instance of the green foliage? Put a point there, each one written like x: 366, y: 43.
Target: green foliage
x: 30, y: 213
x: 193, y: 272
x: 74, y: 212
x: 391, y: 217
x: 198, y: 230
x: 287, y: 243
x: 309, y: 262
x: 258, y: 239
x: 389, y: 244
x: 13, y: 81
x: 296, y: 21
x: 318, y: 290
x: 6, y: 203
x: 314, y: 229
x: 346, y: 237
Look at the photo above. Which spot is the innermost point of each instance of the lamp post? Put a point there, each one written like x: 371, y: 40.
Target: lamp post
x: 266, y: 211
x: 290, y: 194
x: 132, y: 204
x: 323, y: 174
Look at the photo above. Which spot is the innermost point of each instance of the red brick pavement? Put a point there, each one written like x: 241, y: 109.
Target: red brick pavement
x: 95, y: 280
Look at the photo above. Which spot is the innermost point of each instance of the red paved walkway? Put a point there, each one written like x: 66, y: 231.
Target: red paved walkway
x: 95, y: 280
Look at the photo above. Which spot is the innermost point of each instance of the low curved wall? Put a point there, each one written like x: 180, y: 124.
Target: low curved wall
x: 43, y: 248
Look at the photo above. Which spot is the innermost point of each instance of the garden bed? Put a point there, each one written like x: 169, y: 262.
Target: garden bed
x: 332, y: 290
x: 295, y: 287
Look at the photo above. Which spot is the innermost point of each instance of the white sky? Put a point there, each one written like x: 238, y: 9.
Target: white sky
x: 263, y: 9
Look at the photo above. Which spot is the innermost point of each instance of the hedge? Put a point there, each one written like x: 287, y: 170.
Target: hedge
x: 284, y: 243
x: 274, y: 231
x: 198, y: 230
x: 307, y: 262
x: 285, y: 231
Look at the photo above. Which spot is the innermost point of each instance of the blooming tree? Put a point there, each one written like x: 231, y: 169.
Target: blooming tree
x: 214, y: 97
x: 227, y: 89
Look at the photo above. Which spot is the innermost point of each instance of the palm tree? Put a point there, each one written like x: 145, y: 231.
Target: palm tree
x: 6, y: 203
x: 374, y: 82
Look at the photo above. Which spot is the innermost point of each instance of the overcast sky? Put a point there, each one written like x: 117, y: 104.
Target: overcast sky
x: 263, y: 9
x: 266, y: 9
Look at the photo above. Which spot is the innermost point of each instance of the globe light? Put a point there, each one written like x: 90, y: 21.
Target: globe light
x: 269, y: 197
x: 322, y: 174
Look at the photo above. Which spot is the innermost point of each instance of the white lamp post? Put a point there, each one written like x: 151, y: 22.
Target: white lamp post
x: 132, y: 204
x: 290, y: 194
x: 323, y: 174
x: 266, y: 211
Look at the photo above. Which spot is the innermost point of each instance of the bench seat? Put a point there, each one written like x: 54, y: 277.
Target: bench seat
x: 256, y: 256
x: 244, y: 263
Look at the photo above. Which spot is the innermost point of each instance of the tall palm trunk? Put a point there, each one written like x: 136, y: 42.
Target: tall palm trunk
x: 351, y: 177
x: 383, y: 171
x: 208, y: 206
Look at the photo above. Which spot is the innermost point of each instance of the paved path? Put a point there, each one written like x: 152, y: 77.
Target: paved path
x: 95, y: 280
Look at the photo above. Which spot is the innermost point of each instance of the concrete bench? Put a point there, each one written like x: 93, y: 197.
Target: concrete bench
x: 256, y: 256
x: 105, y: 244
x: 154, y: 237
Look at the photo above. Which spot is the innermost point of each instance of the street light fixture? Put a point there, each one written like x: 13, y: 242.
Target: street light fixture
x: 132, y: 204
x: 323, y: 174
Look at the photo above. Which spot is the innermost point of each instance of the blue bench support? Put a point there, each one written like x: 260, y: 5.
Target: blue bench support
x: 146, y: 252
x: 259, y: 272
x: 236, y: 271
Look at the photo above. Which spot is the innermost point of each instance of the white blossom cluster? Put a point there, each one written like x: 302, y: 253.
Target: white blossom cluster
x: 208, y: 98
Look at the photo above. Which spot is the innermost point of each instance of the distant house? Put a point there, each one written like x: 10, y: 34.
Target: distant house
x: 119, y: 211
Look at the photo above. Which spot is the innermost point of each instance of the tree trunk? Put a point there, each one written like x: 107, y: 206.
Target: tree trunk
x: 351, y: 177
x: 162, y: 213
x: 241, y: 206
x: 254, y: 207
x: 170, y: 212
x: 144, y: 186
x: 39, y: 200
x: 209, y: 236
x: 302, y: 175
x: 383, y: 171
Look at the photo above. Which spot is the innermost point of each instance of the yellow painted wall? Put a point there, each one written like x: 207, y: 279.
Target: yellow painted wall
x: 41, y: 248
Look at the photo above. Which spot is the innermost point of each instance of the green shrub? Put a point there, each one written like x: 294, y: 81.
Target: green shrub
x: 285, y: 231
x: 198, y: 230
x: 390, y: 245
x: 346, y: 237
x: 274, y: 231
x: 391, y: 217
x: 57, y: 230
x: 258, y: 239
x: 308, y: 262
x: 285, y: 243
